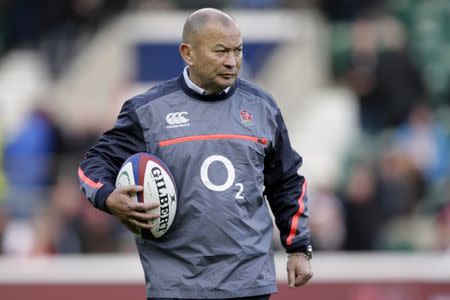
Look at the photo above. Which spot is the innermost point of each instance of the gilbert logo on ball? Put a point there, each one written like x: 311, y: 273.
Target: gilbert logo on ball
x: 159, y: 186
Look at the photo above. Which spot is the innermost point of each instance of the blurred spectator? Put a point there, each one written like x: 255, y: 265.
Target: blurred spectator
x: 327, y: 222
x: 3, y: 224
x: 44, y: 230
x: 30, y: 162
x: 66, y: 207
x: 361, y: 205
x: 402, y: 186
x: 443, y: 228
x: 423, y: 140
x: 385, y: 80
x: 402, y: 191
x: 100, y: 232
x: 347, y: 10
x: 2, y: 175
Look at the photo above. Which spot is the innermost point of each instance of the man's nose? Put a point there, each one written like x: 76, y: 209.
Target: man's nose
x: 230, y: 60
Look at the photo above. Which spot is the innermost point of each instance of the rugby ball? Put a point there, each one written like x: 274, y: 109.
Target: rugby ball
x: 159, y: 186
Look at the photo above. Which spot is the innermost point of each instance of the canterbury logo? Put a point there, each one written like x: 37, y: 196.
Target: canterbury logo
x: 177, y: 119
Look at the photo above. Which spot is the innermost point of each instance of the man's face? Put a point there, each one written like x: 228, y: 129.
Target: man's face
x: 216, y: 57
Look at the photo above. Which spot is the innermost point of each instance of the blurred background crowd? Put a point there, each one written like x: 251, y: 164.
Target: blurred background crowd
x: 392, y: 191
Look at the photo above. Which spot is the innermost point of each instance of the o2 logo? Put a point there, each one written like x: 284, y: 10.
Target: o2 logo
x: 231, y: 175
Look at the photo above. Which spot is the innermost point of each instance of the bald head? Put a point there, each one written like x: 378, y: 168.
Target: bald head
x: 212, y: 49
x: 200, y: 18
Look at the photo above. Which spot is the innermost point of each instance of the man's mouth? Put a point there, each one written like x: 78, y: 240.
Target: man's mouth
x: 228, y: 75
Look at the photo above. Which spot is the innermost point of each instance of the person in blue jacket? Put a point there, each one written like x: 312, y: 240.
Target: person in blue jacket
x: 226, y: 143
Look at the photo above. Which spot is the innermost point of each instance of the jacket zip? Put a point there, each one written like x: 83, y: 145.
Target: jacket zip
x: 193, y: 138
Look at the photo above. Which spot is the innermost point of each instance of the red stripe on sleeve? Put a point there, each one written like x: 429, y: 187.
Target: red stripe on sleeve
x: 296, y: 217
x: 88, y: 181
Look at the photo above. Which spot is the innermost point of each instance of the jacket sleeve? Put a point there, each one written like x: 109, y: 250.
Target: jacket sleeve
x: 98, y: 170
x: 285, y: 190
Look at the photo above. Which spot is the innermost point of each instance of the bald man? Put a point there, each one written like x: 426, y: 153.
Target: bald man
x: 212, y: 50
x: 226, y: 143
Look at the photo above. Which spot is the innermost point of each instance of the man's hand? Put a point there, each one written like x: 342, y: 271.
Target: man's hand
x: 298, y: 270
x: 132, y: 214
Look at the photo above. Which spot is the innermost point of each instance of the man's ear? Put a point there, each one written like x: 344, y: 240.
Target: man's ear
x: 186, y: 53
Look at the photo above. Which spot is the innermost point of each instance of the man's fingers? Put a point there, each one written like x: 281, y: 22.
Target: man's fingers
x: 142, y: 224
x: 144, y: 216
x: 302, y: 279
x: 130, y: 189
x: 139, y: 206
x: 136, y: 206
x: 299, y: 271
x: 291, y: 277
x: 122, y: 206
x: 135, y: 225
x: 299, y: 281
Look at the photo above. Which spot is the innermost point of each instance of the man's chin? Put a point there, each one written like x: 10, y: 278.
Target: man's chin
x: 226, y: 82
x: 222, y: 84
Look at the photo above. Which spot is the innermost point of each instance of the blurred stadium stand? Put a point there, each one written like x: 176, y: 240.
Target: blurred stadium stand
x: 364, y: 87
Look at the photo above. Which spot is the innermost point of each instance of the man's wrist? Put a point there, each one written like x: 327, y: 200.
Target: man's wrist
x: 303, y: 251
x: 102, y: 195
x: 307, y: 255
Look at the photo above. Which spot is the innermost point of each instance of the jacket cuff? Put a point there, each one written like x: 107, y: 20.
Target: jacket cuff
x: 101, y: 196
x: 302, y: 249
